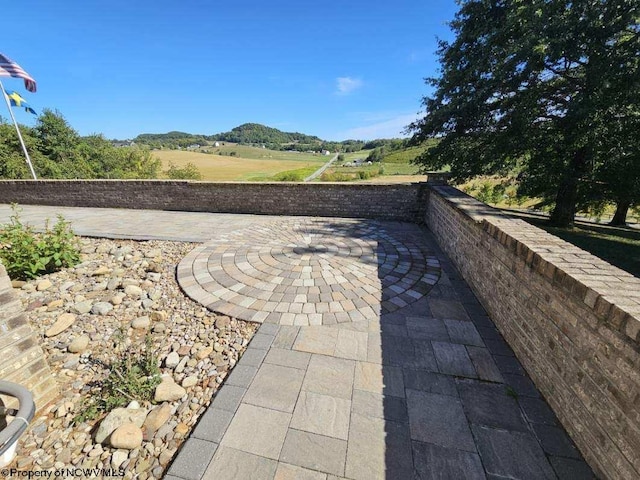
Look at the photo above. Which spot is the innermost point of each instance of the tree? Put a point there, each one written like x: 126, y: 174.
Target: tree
x: 527, y: 85
x: 56, y: 138
x: 57, y: 151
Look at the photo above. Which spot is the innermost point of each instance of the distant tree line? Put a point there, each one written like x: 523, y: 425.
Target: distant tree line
x: 255, y: 134
x: 58, y: 151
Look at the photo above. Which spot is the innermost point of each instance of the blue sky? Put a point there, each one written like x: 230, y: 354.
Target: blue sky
x: 335, y: 69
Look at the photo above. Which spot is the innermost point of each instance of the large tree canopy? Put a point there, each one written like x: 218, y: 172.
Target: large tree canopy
x: 550, y: 86
x: 57, y: 151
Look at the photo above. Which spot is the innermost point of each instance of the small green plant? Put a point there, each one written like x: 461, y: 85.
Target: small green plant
x: 511, y: 392
x: 485, y: 192
x: 498, y: 193
x: 133, y: 375
x: 28, y: 254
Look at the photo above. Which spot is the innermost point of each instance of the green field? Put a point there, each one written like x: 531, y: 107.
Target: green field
x: 256, y: 153
x: 389, y: 171
x: 247, y: 164
x: 232, y: 162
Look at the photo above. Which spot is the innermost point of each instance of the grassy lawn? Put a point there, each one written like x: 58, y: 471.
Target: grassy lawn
x: 399, y: 166
x: 245, y: 166
x: 245, y: 151
x: 618, y: 246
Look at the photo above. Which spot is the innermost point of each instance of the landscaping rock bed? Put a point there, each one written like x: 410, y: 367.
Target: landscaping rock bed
x: 124, y: 294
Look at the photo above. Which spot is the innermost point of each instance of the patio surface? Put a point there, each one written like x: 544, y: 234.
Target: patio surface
x: 374, y: 360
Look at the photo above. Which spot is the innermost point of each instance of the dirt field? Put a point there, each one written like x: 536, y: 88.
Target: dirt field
x: 234, y: 168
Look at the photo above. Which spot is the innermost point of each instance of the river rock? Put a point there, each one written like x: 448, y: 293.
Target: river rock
x: 133, y: 291
x: 168, y: 390
x: 43, y: 285
x: 82, y: 307
x: 159, y: 316
x: 156, y: 418
x: 223, y: 322
x: 79, y: 344
x: 127, y: 436
x: 182, y: 429
x: 53, y: 304
x: 189, y: 381
x: 101, y: 308
x: 118, y: 458
x: 141, y: 323
x: 204, y: 352
x: 159, y: 327
x: 101, y: 271
x: 172, y: 360
x: 63, y: 322
x: 116, y: 418
x: 183, y: 363
x: 113, y: 283
x: 166, y: 456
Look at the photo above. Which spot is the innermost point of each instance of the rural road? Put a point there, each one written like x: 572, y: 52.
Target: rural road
x: 319, y: 172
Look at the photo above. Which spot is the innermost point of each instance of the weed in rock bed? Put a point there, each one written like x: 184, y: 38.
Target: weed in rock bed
x: 133, y: 375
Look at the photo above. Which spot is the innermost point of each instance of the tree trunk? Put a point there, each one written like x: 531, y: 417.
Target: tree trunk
x: 564, y: 212
x: 620, y: 217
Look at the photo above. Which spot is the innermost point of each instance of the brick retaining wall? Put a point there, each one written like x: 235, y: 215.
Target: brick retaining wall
x: 22, y: 358
x: 571, y: 318
x: 390, y: 201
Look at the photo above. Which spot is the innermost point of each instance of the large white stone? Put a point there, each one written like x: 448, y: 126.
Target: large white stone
x: 116, y: 418
x: 168, y: 391
x: 127, y: 436
x: 63, y: 322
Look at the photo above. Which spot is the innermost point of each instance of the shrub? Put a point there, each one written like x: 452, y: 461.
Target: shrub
x: 27, y: 254
x: 485, y: 192
x: 289, y: 177
x: 335, y: 177
x: 188, y: 172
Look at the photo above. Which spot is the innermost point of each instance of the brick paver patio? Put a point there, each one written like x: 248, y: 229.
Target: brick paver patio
x: 411, y: 380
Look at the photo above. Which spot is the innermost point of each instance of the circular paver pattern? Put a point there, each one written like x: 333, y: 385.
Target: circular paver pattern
x: 311, y: 271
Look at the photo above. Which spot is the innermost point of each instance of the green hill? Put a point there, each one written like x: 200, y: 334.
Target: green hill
x: 254, y: 133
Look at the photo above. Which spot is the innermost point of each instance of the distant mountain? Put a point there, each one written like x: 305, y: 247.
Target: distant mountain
x: 256, y: 133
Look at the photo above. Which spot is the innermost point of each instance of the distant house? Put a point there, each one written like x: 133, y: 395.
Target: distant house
x: 326, y: 152
x: 217, y: 144
x: 193, y: 146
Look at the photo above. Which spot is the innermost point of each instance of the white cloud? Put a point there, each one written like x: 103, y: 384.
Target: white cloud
x: 346, y: 85
x: 389, y: 128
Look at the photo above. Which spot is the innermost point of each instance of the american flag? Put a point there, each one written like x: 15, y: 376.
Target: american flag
x: 9, y: 68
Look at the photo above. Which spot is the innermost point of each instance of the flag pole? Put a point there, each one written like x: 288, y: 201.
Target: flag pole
x: 24, y: 148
